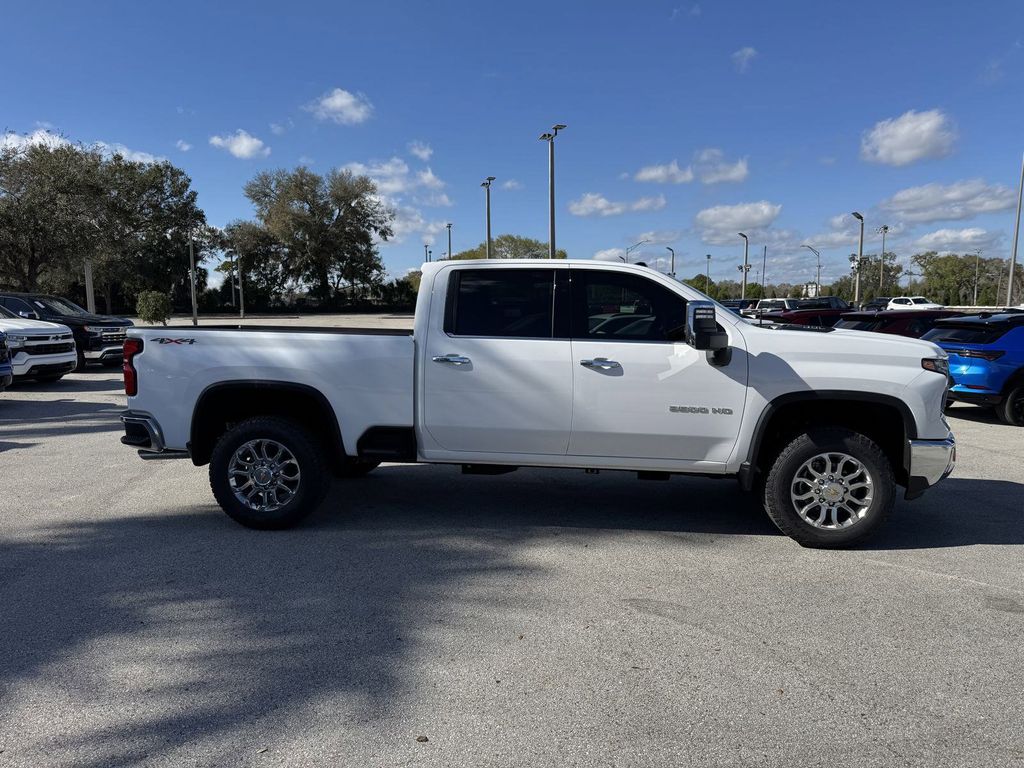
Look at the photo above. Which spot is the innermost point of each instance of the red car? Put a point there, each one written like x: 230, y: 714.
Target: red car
x: 911, y: 322
x: 825, y: 317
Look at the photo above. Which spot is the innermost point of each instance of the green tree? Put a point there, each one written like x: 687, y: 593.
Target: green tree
x: 153, y: 307
x: 253, y: 252
x: 511, y: 247
x: 326, y: 225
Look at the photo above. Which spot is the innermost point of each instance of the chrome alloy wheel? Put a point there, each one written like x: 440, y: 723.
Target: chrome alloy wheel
x: 832, y: 491
x: 264, y: 475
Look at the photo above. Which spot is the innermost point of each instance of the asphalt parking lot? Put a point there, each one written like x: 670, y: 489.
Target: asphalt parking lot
x: 540, y: 618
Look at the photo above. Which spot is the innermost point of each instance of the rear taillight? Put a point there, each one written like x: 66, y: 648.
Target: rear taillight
x: 132, y: 347
x: 981, y: 354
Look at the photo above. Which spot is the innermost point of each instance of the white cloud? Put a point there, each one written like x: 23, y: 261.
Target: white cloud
x: 241, y: 144
x: 183, y: 145
x: 511, y: 184
x: 394, y: 177
x: 943, y: 202
x: 961, y: 240
x: 743, y: 215
x: 741, y: 59
x: 277, y: 129
x: 43, y: 137
x: 670, y: 173
x: 709, y: 164
x: 342, y: 107
x: 908, y: 138
x: 593, y: 204
x: 434, y: 200
x: 421, y: 149
x: 610, y: 254
x: 659, y: 237
x: 714, y: 168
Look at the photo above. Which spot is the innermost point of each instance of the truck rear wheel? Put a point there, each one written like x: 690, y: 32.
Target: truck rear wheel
x: 830, y: 488
x: 268, y: 473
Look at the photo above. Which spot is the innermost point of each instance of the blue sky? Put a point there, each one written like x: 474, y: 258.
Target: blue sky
x: 687, y: 121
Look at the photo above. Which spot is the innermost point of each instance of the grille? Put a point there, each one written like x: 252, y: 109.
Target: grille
x: 49, y: 349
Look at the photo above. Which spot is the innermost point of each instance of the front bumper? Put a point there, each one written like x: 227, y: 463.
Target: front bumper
x: 109, y: 352
x: 929, y: 462
x: 26, y: 365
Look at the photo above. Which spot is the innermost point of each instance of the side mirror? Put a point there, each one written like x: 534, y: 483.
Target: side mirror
x: 28, y: 315
x: 702, y: 329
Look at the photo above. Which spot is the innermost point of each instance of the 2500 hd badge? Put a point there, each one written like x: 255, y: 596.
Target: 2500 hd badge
x: 699, y: 409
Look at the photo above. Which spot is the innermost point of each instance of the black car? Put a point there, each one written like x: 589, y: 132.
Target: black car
x: 876, y: 304
x: 99, y: 338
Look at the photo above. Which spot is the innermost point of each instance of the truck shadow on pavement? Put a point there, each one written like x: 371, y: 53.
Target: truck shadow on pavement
x: 42, y: 418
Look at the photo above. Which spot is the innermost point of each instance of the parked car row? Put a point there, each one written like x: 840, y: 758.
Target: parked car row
x: 48, y: 337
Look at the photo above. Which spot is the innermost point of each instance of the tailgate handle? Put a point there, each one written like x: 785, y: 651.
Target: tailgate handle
x: 452, y: 359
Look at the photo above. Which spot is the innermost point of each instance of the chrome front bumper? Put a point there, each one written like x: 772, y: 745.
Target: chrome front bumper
x: 109, y: 351
x: 930, y: 462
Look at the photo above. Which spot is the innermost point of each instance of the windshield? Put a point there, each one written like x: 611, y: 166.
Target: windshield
x: 920, y: 300
x: 859, y: 325
x: 4, y: 312
x: 57, y: 306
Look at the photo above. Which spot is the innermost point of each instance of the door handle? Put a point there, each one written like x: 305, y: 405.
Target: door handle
x: 451, y: 359
x: 600, y: 362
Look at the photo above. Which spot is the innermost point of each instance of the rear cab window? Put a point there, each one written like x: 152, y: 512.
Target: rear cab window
x: 501, y: 303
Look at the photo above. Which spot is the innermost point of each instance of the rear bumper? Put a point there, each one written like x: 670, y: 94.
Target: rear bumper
x: 930, y: 462
x: 141, y: 431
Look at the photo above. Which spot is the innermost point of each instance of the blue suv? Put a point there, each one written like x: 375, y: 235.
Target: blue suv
x: 986, y: 361
x: 6, y: 371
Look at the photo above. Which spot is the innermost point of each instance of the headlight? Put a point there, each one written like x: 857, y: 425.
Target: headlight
x: 16, y: 341
x: 937, y: 365
x: 94, y: 329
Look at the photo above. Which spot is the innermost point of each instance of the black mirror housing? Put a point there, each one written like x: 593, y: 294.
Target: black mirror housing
x: 702, y: 331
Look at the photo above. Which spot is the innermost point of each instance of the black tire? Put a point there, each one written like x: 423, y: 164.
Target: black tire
x: 356, y: 468
x: 1011, y: 409
x: 313, y: 479
x: 781, y: 478
x: 82, y: 364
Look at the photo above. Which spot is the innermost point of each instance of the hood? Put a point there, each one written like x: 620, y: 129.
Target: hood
x: 12, y: 325
x: 102, y: 320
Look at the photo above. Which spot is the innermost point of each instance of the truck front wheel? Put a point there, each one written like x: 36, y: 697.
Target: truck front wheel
x: 268, y: 473
x: 830, y: 488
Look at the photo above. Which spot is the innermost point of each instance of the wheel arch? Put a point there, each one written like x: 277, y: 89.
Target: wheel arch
x: 225, y: 403
x: 870, y: 413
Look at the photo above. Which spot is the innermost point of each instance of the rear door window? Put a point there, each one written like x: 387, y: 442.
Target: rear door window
x: 501, y: 303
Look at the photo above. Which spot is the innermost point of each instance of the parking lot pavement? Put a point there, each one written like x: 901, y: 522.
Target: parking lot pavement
x: 538, y: 618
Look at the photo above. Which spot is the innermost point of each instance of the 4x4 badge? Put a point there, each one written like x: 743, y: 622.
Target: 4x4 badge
x: 165, y: 340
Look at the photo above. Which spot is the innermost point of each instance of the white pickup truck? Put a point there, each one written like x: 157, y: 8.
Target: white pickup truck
x: 573, y: 364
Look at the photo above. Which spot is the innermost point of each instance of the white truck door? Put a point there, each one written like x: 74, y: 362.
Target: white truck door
x: 639, y: 392
x: 495, y: 377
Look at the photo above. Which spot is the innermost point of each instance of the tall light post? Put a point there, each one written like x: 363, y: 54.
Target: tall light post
x: 860, y: 258
x: 425, y: 256
x: 817, y: 282
x: 632, y: 248
x: 977, y: 268
x: 192, y: 277
x: 746, y: 264
x: 448, y: 226
x: 486, y: 184
x: 764, y: 272
x: 241, y: 289
x: 707, y: 275
x: 549, y: 137
x: 1016, y: 235
x: 672, y: 267
x: 884, y: 229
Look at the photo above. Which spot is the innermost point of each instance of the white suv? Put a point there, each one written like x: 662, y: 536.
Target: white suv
x: 913, y: 302
x: 39, y: 350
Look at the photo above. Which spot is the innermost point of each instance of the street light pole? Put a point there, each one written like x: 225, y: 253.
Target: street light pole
x: 1016, y: 235
x: 633, y: 248
x: 764, y: 272
x: 707, y: 276
x: 90, y: 294
x: 977, y: 267
x: 817, y: 283
x: 241, y: 290
x: 746, y: 264
x: 549, y: 137
x: 426, y: 253
x: 884, y: 229
x: 192, y: 275
x: 860, y: 258
x: 486, y: 184
x: 672, y: 267
x: 449, y: 227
